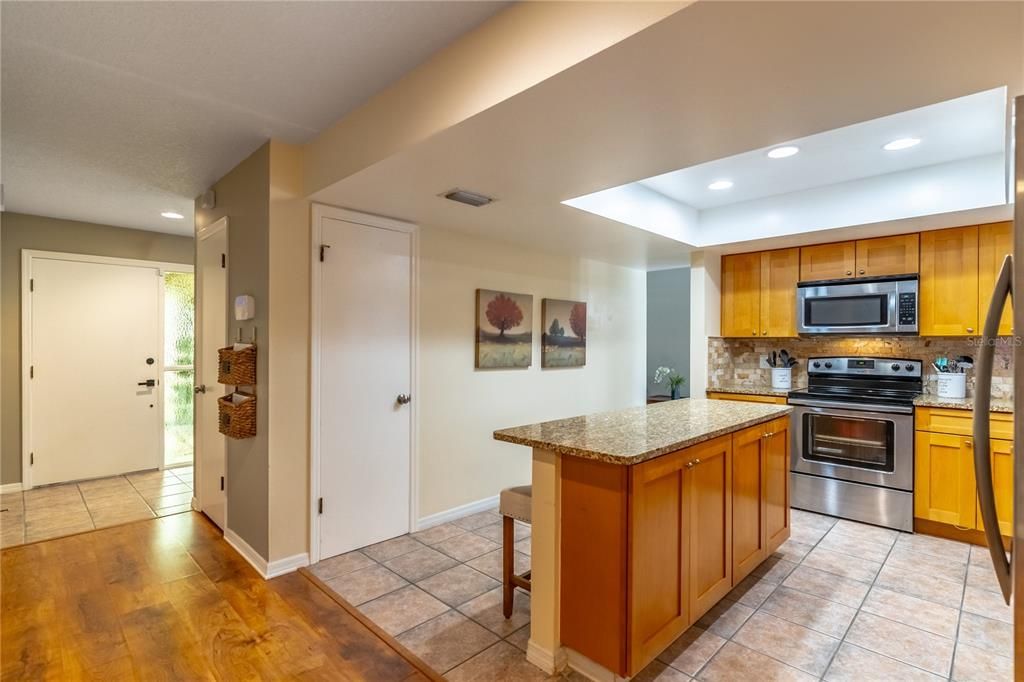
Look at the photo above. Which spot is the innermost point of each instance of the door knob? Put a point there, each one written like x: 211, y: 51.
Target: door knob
x: 403, y: 399
x: 201, y: 388
x: 148, y: 382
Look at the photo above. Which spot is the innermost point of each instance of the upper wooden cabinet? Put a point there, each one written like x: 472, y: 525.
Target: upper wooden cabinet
x: 759, y: 293
x: 828, y: 261
x: 887, y: 255
x: 949, y: 282
x: 995, y: 242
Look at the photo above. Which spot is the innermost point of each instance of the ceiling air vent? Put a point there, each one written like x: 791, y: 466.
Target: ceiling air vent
x: 470, y: 198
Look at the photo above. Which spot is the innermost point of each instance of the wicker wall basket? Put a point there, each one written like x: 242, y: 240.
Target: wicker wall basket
x: 236, y: 365
x: 237, y: 415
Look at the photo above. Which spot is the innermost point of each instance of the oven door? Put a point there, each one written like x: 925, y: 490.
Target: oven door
x: 856, y: 445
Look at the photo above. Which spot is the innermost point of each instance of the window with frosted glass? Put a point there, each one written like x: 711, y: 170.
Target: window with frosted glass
x: 179, y: 375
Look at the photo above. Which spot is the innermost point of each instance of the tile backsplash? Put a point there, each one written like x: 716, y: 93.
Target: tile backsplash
x: 737, y: 361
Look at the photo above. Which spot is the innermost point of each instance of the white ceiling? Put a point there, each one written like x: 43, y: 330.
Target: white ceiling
x: 962, y: 128
x: 712, y: 81
x: 114, y: 112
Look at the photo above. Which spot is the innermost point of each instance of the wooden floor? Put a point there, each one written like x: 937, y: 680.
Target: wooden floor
x: 168, y: 599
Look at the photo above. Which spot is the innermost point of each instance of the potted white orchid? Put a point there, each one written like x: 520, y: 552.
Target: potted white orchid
x: 675, y: 380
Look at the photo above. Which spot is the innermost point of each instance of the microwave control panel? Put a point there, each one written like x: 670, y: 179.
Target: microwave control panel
x: 908, y: 308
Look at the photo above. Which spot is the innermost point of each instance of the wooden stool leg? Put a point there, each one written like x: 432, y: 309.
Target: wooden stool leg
x: 508, y: 565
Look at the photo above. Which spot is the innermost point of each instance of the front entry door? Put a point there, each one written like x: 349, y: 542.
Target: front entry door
x: 211, y: 334
x: 365, y: 364
x: 93, y: 346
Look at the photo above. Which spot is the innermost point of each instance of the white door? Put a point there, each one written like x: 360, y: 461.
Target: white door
x: 365, y: 364
x: 211, y: 334
x: 94, y: 342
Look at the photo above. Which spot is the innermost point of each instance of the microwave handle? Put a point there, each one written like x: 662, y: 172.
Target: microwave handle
x: 982, y: 403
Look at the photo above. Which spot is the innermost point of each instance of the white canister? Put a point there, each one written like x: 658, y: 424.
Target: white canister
x: 782, y: 377
x: 952, y: 385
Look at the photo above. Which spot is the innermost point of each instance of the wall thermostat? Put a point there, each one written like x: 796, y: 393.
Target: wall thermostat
x: 245, y: 307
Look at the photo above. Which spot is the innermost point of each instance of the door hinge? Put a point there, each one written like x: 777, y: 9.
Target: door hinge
x: 323, y: 248
x: 320, y: 506
x: 31, y: 371
x: 223, y: 260
x: 31, y: 458
x: 32, y: 284
x: 222, y: 483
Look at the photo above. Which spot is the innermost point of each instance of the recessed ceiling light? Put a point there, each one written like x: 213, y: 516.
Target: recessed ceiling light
x: 783, y: 152
x: 720, y: 184
x: 172, y: 215
x: 902, y: 143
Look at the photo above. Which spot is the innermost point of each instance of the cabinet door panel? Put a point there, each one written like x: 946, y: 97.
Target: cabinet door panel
x: 949, y: 282
x: 741, y: 295
x: 748, y: 483
x: 776, y: 492
x: 780, y: 272
x: 659, y: 604
x: 1002, y: 482
x: 709, y: 492
x: 944, y: 488
x: 995, y: 242
x: 897, y: 255
x: 827, y: 261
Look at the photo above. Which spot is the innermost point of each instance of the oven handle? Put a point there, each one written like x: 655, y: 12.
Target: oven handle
x: 861, y: 407
x: 982, y: 403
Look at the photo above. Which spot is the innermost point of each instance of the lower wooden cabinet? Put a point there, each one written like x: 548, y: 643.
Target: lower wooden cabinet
x: 1002, y: 483
x: 708, y: 523
x: 776, y: 485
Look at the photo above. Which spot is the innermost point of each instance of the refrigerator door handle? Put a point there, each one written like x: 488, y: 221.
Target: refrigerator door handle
x: 982, y: 403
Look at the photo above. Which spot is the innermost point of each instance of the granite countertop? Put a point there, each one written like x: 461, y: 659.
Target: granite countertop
x: 931, y: 400
x: 748, y: 389
x: 638, y: 434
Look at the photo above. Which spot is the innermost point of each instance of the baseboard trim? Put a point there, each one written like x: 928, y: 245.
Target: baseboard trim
x: 8, y: 488
x: 547, y: 661
x: 590, y: 669
x: 247, y: 552
x: 288, y: 564
x: 457, y: 512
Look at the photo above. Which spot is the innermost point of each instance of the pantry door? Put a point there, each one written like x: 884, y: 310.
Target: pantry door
x: 91, y: 367
x: 362, y: 398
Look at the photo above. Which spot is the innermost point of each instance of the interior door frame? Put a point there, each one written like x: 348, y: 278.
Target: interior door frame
x: 219, y: 225
x: 319, y: 213
x: 27, y: 258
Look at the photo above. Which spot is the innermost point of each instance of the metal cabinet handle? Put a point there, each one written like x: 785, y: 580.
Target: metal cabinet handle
x: 403, y: 399
x: 753, y: 333
x: 764, y: 333
x: 981, y: 430
x: 689, y: 465
x: 970, y: 330
x: 849, y: 272
x: 861, y: 272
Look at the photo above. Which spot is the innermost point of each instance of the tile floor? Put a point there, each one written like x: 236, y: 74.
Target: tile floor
x: 839, y: 601
x: 67, y: 508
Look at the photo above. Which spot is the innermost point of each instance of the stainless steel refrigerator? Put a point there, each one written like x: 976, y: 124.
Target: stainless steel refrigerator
x: 1009, y: 569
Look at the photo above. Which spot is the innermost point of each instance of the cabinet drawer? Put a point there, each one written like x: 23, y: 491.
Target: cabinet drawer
x: 959, y: 422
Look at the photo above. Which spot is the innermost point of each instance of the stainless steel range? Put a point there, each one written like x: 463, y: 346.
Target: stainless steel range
x: 853, y: 439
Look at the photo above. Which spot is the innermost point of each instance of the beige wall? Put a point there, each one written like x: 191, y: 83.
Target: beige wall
x: 243, y: 195
x: 288, y: 379
x: 459, y: 407
x: 19, y: 231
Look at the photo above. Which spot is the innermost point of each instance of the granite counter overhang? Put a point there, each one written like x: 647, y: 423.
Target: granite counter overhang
x: 638, y: 434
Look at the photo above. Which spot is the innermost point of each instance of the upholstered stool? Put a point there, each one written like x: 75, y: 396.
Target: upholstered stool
x: 516, y: 505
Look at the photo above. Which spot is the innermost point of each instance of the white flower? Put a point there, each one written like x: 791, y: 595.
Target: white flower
x: 661, y: 373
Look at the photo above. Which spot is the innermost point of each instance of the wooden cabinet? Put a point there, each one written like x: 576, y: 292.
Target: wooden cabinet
x: 828, y: 261
x: 709, y: 523
x: 897, y: 255
x: 776, y: 485
x: 780, y: 272
x: 995, y: 242
x: 760, y: 494
x: 741, y: 295
x: 659, y: 598
x: 1002, y: 483
x: 944, y: 488
x: 759, y: 293
x: 949, y: 282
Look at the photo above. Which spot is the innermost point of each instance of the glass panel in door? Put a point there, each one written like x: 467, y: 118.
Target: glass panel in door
x: 849, y: 441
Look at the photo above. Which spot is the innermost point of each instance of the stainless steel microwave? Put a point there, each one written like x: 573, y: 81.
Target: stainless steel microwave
x: 884, y: 305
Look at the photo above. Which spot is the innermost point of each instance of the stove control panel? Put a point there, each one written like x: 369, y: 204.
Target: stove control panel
x: 880, y: 367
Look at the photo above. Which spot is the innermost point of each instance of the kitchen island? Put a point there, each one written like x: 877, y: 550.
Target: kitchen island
x: 643, y: 519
